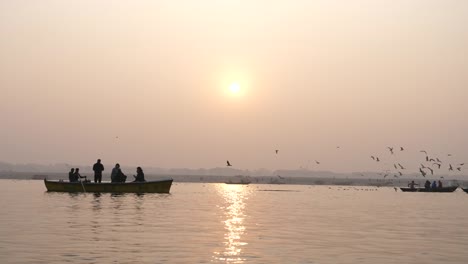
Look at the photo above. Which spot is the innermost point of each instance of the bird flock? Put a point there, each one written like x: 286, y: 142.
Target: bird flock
x: 430, y: 165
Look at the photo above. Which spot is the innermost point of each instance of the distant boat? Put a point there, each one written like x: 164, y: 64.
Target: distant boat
x: 277, y: 181
x: 442, y: 189
x: 39, y: 177
x: 239, y: 179
x: 230, y: 182
x: 160, y: 186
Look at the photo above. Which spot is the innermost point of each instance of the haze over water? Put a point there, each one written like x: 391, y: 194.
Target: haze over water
x: 220, y: 223
x: 265, y: 86
x: 149, y: 83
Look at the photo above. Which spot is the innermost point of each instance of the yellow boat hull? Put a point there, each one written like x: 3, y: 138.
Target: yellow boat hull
x: 161, y: 186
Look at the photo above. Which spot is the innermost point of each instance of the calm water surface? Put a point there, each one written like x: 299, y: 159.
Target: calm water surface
x: 220, y: 223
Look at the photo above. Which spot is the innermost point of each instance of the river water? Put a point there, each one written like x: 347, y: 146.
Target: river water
x: 221, y: 223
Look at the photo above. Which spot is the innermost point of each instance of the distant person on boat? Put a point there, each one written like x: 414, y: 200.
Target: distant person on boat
x: 71, y: 175
x: 77, y: 175
x: 114, y: 172
x: 427, y: 184
x: 434, y: 185
x: 440, y: 184
x: 140, y: 177
x: 117, y: 174
x: 98, y: 168
x: 412, y: 184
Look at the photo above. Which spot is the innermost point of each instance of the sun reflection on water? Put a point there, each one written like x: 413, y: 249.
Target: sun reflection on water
x: 235, y: 197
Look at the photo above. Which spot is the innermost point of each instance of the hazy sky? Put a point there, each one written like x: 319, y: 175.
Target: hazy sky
x: 313, y: 75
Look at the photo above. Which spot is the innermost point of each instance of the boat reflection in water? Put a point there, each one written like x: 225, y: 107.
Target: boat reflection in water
x: 235, y: 197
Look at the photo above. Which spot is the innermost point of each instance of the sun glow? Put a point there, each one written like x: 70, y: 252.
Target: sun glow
x: 234, y: 88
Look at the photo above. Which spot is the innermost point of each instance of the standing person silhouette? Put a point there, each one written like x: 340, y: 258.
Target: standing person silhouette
x: 98, y: 168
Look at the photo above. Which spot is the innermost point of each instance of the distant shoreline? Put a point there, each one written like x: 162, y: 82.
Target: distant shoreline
x: 294, y: 180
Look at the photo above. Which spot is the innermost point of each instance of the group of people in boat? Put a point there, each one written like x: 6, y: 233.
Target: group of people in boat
x: 427, y: 184
x: 74, y: 175
x: 117, y: 176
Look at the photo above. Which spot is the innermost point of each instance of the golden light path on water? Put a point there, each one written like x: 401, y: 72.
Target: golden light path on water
x: 235, y: 199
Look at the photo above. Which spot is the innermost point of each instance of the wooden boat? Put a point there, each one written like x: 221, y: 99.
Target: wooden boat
x: 442, y: 189
x: 160, y: 186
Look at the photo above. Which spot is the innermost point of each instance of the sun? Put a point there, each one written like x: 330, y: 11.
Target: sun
x: 234, y: 88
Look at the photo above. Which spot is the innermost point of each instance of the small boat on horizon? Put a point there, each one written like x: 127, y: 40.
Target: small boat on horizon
x: 439, y: 189
x: 38, y: 177
x: 158, y: 186
x: 245, y: 183
x: 239, y: 179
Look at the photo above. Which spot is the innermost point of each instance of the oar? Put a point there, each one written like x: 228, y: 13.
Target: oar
x: 82, y: 185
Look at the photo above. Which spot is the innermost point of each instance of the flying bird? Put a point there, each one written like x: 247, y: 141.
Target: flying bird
x: 401, y: 166
x: 449, y: 155
x: 422, y: 172
x: 401, y: 149
x: 461, y: 164
x: 422, y: 166
x: 432, y: 160
x: 377, y: 159
x: 438, y: 160
x: 401, y: 174
x: 228, y: 163
x: 394, y: 165
x: 459, y: 168
x: 427, y: 158
x: 318, y: 162
x: 277, y: 150
x: 372, y: 157
x: 423, y: 151
x: 432, y: 171
x: 438, y: 164
x: 391, y: 150
x: 450, y: 167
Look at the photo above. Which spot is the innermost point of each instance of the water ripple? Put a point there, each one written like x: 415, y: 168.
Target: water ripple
x: 220, y: 223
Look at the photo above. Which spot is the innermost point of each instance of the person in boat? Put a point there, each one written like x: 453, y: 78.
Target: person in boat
x: 412, y: 184
x: 117, y: 174
x: 140, y: 177
x: 98, y: 168
x: 427, y: 184
x: 440, y: 184
x: 77, y: 175
x: 434, y: 185
x: 71, y: 175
